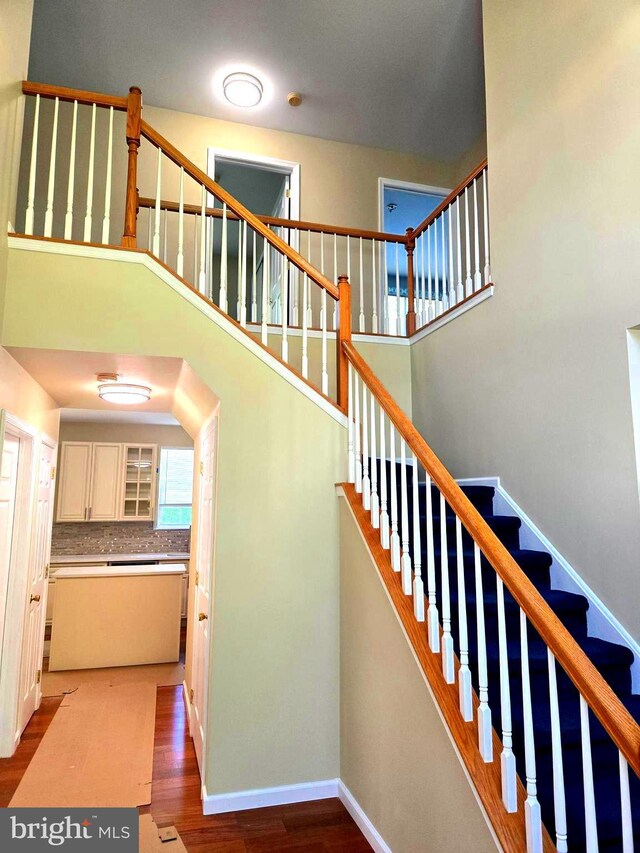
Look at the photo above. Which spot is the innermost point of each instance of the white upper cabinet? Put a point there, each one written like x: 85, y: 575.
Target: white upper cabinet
x: 74, y: 480
x: 139, y: 482
x: 104, y: 504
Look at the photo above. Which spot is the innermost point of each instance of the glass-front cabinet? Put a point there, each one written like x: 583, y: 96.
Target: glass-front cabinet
x: 139, y: 482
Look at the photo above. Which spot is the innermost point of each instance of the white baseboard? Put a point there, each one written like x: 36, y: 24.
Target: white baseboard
x: 601, y: 623
x: 262, y: 797
x: 363, y: 823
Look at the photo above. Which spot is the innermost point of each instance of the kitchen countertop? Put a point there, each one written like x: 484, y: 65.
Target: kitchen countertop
x: 118, y: 571
x: 72, y: 559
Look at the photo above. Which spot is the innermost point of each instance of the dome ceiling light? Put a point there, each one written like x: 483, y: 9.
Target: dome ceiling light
x: 242, y: 89
x: 122, y: 393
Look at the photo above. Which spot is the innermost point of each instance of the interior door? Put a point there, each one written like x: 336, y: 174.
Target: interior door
x: 202, y: 590
x: 8, y: 492
x: 36, y: 598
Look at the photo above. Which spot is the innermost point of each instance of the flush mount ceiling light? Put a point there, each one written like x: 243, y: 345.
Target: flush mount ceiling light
x: 122, y: 393
x: 242, y: 89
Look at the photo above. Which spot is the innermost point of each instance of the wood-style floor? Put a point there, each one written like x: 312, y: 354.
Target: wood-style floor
x: 317, y: 827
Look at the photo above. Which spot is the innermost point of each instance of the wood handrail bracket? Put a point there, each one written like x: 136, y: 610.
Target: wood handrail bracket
x: 612, y: 714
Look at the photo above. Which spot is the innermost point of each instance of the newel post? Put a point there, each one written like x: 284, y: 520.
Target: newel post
x: 343, y: 335
x: 410, y: 245
x: 134, y: 112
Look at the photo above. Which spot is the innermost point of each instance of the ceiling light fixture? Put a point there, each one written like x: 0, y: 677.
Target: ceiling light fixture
x: 123, y: 393
x: 242, y: 89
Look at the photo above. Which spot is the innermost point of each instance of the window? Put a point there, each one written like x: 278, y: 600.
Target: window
x: 175, y: 488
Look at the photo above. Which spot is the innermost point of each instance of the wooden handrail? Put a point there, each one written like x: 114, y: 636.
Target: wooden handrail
x: 79, y: 95
x: 239, y: 209
x: 612, y: 714
x: 453, y: 195
x: 293, y: 224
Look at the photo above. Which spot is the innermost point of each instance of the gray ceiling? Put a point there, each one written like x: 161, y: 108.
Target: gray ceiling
x: 406, y: 75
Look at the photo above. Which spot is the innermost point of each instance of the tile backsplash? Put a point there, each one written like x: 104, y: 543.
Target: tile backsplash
x: 129, y: 537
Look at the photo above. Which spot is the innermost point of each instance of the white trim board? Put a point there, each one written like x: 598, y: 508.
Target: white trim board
x: 456, y: 311
x: 601, y: 623
x: 361, y: 820
x: 145, y: 260
x: 411, y: 186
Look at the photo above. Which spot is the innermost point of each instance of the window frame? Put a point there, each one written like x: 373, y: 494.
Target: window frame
x: 156, y: 521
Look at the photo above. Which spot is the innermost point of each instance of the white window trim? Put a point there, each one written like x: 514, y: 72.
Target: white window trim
x: 156, y: 520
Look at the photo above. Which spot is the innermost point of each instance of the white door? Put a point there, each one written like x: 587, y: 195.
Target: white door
x: 202, y: 590
x: 8, y: 491
x: 75, y: 480
x: 37, y: 586
x: 106, y: 478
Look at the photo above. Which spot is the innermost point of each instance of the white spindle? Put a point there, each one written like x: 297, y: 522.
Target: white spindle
x: 149, y: 228
x: 423, y: 290
x: 374, y: 287
x: 350, y: 427
x: 430, y: 311
x: 384, y: 513
x: 559, y: 804
x: 460, y: 291
x: 308, y: 285
x: 477, y: 276
x: 447, y: 639
x: 305, y: 327
x: 394, y: 541
x: 485, y: 732
x: 625, y: 804
x: 433, y: 624
x: 254, y: 283
x: 295, y: 286
x: 532, y: 814
x: 92, y: 154
x: 156, y: 221
x: 164, y: 236
x: 194, y: 277
x: 443, y: 264
x: 464, y: 673
x: 358, y: 455
x: 405, y: 560
x: 385, y: 307
x: 375, y: 500
x: 223, y: 262
x: 68, y: 219
x: 202, y: 273
x: 468, y: 285
x: 180, y: 258
x: 239, y: 271
x: 106, y: 221
x: 485, y: 207
x: 209, y: 262
x: 361, y: 319
x: 335, y: 278
x: 325, y: 374
x: 591, y: 822
x: 264, y: 329
x: 284, y: 290
x: 366, y: 480
x: 418, y: 586
x: 398, y: 326
x: 31, y: 192
x: 507, y: 758
x: 48, y: 216
x: 243, y: 294
x: 452, y: 280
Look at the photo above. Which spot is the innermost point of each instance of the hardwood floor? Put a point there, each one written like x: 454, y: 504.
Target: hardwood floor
x: 323, y: 826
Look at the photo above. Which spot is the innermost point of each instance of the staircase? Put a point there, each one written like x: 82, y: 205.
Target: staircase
x: 542, y: 714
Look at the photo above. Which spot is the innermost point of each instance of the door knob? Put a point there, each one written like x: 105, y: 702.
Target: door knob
x: 202, y: 617
x: 34, y: 598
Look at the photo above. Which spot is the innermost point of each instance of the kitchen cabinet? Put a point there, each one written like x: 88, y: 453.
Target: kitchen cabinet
x: 139, y: 482
x: 74, y: 480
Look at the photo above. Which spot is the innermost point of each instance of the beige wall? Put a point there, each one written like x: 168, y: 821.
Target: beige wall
x: 164, y: 435
x: 396, y: 757
x: 470, y: 159
x: 274, y: 687
x: 22, y: 397
x: 533, y: 385
x: 15, y: 34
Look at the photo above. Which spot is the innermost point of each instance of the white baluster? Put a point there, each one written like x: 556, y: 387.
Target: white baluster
x: 335, y: 278
x: 366, y: 481
x: 68, y: 219
x: 325, y: 374
x: 48, y: 216
x: 468, y: 286
x: 194, y: 277
x: 202, y: 274
x: 180, y: 257
x: 358, y: 455
x: 31, y: 192
x: 295, y: 286
x: 591, y: 822
x: 385, y: 327
x: 532, y: 815
x: 418, y: 585
x: 374, y: 292
x: 384, y: 513
x: 559, y: 804
x: 375, y: 501
x: 398, y: 322
x: 485, y: 731
x: 447, y: 639
x: 164, y: 237
x: 350, y: 427
x: 507, y: 758
x: 405, y: 560
x: 149, y: 229
x: 443, y: 264
x: 265, y: 293
x: 625, y: 804
x: 464, y: 673
x: 223, y: 263
x: 209, y: 261
x: 433, y: 623
x: 106, y: 221
x: 92, y: 153
x: 305, y: 335
x: 394, y: 541
x: 239, y: 271
x: 430, y: 305
x: 308, y: 283
x: 284, y: 308
x: 477, y: 276
x: 423, y: 291
x: 460, y: 290
x: 156, y: 221
x: 361, y: 320
x: 254, y: 283
x: 485, y: 205
x: 243, y: 293
x: 452, y: 281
